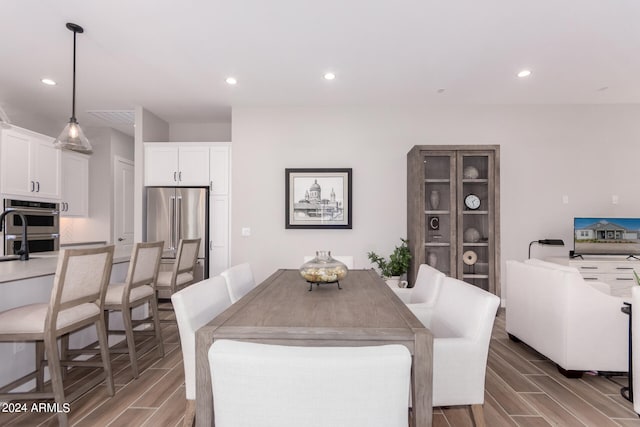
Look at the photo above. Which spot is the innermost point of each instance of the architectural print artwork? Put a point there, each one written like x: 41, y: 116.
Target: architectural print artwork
x: 318, y: 198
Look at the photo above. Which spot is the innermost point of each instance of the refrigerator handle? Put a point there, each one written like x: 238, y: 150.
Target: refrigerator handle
x: 179, y: 222
x: 172, y: 223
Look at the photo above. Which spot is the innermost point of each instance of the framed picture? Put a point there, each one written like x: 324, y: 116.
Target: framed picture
x: 318, y: 198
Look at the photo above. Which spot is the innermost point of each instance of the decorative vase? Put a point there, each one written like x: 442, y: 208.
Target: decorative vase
x: 434, y: 199
x: 432, y: 259
x: 323, y: 269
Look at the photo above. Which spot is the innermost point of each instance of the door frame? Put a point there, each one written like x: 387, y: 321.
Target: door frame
x: 131, y: 163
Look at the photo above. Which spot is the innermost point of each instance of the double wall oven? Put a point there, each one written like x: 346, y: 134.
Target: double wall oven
x: 43, y: 226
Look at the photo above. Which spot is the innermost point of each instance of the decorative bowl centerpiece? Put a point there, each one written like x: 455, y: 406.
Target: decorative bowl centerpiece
x: 323, y: 269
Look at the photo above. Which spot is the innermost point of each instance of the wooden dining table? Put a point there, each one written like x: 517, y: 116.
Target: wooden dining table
x: 283, y: 311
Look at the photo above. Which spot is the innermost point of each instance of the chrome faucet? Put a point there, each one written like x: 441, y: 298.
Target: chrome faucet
x: 24, y: 246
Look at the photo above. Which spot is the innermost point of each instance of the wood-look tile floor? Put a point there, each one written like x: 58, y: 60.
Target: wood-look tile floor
x: 522, y: 389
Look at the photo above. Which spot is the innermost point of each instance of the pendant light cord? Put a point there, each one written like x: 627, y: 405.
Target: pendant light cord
x: 73, y: 96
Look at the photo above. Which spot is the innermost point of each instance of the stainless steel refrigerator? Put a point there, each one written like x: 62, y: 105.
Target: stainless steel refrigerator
x: 175, y: 213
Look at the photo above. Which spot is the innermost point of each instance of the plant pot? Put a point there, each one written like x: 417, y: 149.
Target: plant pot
x: 393, y: 281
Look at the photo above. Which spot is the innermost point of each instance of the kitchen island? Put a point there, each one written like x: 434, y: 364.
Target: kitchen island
x: 29, y: 282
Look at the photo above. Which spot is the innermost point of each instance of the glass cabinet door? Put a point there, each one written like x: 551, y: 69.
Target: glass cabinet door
x: 440, y: 211
x: 475, y: 190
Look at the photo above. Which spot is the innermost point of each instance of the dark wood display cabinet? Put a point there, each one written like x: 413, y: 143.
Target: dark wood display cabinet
x: 453, y: 211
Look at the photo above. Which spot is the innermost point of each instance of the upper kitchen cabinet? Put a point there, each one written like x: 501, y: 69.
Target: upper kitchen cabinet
x: 75, y: 185
x: 30, y: 165
x: 168, y: 164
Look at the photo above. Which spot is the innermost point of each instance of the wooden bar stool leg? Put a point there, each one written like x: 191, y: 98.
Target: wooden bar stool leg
x: 153, y: 305
x: 131, y: 344
x: 104, y: 352
x: 55, y: 371
x: 39, y: 365
x: 64, y: 355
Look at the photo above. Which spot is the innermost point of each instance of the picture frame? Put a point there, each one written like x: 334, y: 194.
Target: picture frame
x: 318, y: 198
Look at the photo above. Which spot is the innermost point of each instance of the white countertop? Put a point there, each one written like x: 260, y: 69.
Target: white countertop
x: 44, y: 264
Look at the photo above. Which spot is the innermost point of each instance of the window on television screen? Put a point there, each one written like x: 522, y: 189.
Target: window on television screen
x: 606, y: 236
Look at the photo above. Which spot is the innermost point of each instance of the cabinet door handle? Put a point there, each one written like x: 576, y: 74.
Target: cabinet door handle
x: 180, y: 176
x: 33, y: 186
x: 210, y: 245
x: 66, y: 207
x: 174, y: 176
x: 38, y: 186
x: 588, y: 268
x: 624, y: 268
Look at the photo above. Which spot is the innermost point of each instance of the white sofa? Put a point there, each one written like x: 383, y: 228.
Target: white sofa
x: 573, y: 322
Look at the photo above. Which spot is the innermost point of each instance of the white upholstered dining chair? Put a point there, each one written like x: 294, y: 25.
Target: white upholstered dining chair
x: 239, y: 280
x: 138, y: 289
x: 77, y: 299
x: 461, y: 320
x: 309, y: 386
x: 195, y: 306
x: 425, y: 289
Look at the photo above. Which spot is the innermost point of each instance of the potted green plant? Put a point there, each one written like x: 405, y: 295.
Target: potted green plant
x: 398, y: 263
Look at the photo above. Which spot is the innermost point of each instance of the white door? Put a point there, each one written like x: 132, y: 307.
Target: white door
x: 123, y: 202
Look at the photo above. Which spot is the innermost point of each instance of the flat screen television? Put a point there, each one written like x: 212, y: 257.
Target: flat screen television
x: 606, y: 236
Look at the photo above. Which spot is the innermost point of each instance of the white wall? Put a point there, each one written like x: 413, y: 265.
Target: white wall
x: 544, y: 150
x: 106, y: 143
x: 148, y: 127
x: 199, y: 132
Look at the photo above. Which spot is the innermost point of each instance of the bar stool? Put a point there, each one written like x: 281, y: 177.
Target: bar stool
x: 183, y: 271
x: 138, y: 289
x: 77, y: 301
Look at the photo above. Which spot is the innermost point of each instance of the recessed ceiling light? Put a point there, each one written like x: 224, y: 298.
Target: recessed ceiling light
x: 231, y: 80
x: 441, y: 90
x: 524, y: 73
x: 329, y: 76
x: 48, y: 82
x: 603, y: 88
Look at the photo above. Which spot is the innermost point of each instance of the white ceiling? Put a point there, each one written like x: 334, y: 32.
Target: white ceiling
x: 172, y: 57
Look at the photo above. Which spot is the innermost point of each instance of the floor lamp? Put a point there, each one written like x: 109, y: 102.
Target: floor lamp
x: 548, y: 242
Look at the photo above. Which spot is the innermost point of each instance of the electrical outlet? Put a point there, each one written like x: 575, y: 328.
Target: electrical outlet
x: 245, y: 232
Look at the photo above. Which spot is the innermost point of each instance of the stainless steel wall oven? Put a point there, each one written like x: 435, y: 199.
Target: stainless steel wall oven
x: 43, y: 226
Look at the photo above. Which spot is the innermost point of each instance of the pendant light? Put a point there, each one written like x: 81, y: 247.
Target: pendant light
x: 72, y: 137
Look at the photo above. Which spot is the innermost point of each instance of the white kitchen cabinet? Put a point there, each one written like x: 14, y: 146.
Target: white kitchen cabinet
x: 75, y: 185
x: 219, y: 170
x: 30, y: 165
x: 168, y: 164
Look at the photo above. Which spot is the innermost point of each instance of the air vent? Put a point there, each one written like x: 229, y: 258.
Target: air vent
x: 115, y: 117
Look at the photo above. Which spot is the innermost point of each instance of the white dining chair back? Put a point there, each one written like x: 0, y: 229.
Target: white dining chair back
x: 345, y: 259
x: 195, y: 306
x: 309, y: 386
x: 239, y: 281
x: 461, y: 321
x: 427, y: 285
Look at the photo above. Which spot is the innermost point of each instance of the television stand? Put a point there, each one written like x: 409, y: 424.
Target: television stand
x: 615, y: 271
